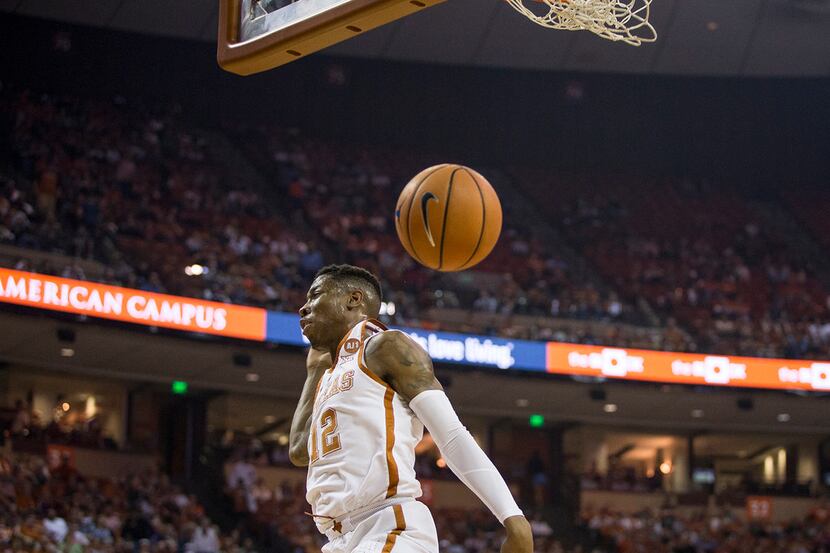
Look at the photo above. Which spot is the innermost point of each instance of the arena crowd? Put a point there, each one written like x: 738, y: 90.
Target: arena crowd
x: 666, y: 531
x: 57, y: 509
x: 143, y: 194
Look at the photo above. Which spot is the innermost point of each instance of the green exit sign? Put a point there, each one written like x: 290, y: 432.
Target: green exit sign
x: 536, y: 421
x: 179, y: 387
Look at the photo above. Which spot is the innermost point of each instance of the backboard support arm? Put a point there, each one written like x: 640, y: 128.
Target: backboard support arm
x: 250, y: 42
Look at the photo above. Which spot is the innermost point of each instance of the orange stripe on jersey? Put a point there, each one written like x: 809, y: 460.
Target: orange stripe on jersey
x: 400, y: 526
x: 339, y: 347
x: 377, y: 323
x: 369, y: 373
x: 360, y: 362
x: 391, y: 465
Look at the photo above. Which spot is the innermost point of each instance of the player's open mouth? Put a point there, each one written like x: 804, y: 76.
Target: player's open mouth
x: 304, y: 323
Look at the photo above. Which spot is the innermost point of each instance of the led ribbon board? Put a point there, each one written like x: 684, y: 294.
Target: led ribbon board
x: 250, y: 323
x: 687, y: 368
x: 131, y: 306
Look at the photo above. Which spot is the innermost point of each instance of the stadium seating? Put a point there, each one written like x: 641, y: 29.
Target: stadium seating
x: 144, y: 194
x: 700, y: 254
x: 58, y: 509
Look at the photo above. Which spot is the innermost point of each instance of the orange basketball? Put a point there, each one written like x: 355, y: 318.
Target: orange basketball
x: 448, y: 217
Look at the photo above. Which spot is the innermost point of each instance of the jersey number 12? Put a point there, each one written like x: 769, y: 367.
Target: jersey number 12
x: 330, y: 441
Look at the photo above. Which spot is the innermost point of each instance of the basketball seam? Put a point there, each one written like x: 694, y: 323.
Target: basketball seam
x: 404, y: 233
x: 444, y: 223
x: 483, y: 220
x: 409, y: 212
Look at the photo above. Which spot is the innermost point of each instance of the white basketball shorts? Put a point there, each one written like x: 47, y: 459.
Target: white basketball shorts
x: 401, y: 528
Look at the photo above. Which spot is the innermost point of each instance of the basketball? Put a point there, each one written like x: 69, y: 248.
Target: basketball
x: 448, y: 217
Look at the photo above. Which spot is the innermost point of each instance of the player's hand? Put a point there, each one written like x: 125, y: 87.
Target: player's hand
x: 318, y: 360
x: 519, y: 536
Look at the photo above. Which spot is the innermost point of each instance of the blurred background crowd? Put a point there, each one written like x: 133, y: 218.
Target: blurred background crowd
x: 133, y: 195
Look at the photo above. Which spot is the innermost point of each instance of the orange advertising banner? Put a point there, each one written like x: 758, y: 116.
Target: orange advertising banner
x: 686, y: 368
x: 131, y: 306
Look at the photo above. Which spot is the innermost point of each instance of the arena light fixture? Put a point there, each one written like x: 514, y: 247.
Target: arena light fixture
x: 610, y: 407
x: 783, y: 417
x: 195, y: 270
x: 67, y: 352
x: 252, y: 377
x: 697, y: 413
x: 665, y: 467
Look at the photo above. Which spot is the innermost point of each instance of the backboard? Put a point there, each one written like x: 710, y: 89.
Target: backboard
x: 257, y: 35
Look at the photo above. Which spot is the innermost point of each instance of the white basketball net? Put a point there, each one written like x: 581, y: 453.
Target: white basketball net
x: 617, y: 20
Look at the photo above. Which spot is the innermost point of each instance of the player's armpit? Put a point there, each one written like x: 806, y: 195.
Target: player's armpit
x: 403, y: 364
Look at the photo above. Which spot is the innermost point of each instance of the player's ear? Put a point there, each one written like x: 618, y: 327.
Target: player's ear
x: 355, y: 300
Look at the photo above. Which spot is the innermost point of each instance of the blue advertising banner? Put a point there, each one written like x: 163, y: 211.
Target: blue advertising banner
x: 467, y: 349
x: 484, y: 351
x: 284, y: 328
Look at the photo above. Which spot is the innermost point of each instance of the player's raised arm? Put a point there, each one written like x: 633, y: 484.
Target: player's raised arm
x: 405, y: 366
x: 317, y: 363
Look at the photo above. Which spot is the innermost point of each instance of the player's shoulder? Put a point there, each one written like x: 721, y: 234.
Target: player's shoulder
x: 391, y: 342
x: 386, y: 338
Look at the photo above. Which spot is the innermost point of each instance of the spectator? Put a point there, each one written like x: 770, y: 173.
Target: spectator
x: 242, y: 473
x: 22, y: 419
x: 205, y: 538
x: 55, y: 526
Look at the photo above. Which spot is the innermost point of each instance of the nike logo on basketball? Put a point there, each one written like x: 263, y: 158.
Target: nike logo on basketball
x: 424, y: 201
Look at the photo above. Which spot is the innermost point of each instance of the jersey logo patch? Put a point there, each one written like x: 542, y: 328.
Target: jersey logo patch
x: 351, y: 346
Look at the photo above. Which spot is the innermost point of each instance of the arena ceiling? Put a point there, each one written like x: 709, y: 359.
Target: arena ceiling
x: 697, y: 37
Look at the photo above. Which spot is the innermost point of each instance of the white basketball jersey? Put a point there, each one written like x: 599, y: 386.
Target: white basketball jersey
x: 361, y: 447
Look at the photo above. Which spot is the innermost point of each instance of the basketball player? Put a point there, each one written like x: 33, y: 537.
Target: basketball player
x: 367, y: 398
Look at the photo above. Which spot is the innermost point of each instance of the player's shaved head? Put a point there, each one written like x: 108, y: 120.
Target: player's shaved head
x: 356, y: 278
